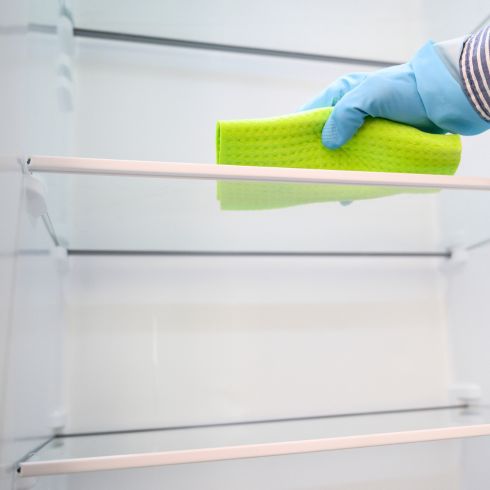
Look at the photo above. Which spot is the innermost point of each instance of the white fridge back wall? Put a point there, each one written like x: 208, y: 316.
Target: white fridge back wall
x: 137, y: 101
x: 176, y: 341
x: 204, y: 340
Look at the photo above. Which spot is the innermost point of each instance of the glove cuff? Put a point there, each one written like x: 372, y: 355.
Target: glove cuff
x: 445, y: 102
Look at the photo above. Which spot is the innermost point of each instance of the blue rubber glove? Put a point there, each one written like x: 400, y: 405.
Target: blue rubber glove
x: 421, y: 93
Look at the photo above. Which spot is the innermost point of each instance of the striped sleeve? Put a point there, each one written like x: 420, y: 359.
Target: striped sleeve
x: 474, y: 65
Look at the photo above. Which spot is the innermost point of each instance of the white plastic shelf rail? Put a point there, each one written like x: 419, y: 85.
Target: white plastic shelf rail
x: 96, y: 166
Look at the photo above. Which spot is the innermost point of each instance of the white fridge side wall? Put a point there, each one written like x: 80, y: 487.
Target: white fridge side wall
x: 30, y: 288
x: 34, y: 348
x: 10, y: 189
x: 12, y: 138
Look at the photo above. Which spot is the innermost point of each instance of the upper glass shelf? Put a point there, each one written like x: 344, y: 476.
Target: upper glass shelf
x: 292, y: 27
x: 110, y: 206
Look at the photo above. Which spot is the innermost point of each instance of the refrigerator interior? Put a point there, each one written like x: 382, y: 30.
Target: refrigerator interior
x: 140, y: 318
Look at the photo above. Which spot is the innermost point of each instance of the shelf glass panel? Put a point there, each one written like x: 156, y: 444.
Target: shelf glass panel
x: 165, y: 215
x: 272, y: 27
x: 457, y: 464
x: 235, y: 441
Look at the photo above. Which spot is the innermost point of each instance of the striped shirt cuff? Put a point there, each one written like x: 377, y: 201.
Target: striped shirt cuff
x: 474, y: 65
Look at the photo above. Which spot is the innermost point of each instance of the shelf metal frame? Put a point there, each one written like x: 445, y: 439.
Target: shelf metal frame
x: 131, y: 37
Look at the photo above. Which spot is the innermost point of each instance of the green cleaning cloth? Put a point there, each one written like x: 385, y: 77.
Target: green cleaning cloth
x: 295, y: 141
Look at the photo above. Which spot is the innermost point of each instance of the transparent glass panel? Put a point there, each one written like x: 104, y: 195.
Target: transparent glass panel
x: 98, y: 445
x: 320, y: 27
x: 119, y: 213
x: 458, y: 464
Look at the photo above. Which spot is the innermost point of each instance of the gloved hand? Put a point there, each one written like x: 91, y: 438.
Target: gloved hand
x: 421, y: 93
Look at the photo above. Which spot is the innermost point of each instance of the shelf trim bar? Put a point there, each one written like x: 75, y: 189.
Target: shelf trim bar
x: 222, y: 47
x: 98, y: 166
x: 170, y: 428
x: 129, y: 37
x: 164, y: 458
x: 213, y: 253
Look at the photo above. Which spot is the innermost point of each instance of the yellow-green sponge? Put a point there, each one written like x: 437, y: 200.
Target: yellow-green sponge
x: 295, y: 141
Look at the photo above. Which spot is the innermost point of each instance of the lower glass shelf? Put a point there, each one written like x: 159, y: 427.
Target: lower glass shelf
x: 170, y: 446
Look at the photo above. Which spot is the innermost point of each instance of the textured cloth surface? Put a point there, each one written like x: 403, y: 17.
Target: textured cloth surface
x: 295, y: 141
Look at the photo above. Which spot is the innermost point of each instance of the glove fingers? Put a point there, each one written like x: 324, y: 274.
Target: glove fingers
x: 346, y: 118
x: 334, y: 92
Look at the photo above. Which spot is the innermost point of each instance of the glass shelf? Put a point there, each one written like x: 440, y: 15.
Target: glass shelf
x: 111, y: 206
x: 215, y: 22
x: 111, y: 451
x: 454, y: 464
